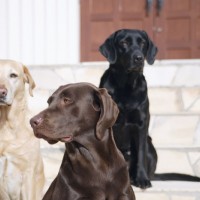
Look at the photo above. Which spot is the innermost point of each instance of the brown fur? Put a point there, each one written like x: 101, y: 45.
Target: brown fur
x: 82, y: 116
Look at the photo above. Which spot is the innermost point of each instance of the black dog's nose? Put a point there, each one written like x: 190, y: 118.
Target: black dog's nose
x: 138, y: 59
x: 36, y: 121
x: 3, y: 91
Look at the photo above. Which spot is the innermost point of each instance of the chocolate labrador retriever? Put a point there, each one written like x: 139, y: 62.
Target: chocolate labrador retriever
x: 126, y: 50
x: 81, y: 116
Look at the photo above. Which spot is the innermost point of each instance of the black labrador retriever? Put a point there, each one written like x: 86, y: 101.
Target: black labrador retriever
x: 126, y: 50
x: 81, y: 115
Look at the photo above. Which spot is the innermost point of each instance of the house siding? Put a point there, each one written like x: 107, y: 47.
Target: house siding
x: 40, y: 31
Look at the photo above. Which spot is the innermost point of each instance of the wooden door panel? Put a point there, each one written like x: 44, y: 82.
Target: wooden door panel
x: 180, y: 53
x: 175, y: 29
x: 133, y: 15
x: 178, y: 5
x: 101, y: 21
x: 98, y: 19
x: 129, y: 24
x: 99, y: 32
x: 132, y: 8
x: 102, y: 7
x: 177, y: 25
x: 196, y: 29
x: 172, y: 32
x: 104, y: 17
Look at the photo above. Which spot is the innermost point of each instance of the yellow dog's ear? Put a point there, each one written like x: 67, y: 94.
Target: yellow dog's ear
x: 28, y: 79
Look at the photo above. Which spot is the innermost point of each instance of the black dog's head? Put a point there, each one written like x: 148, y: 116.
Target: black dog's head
x: 129, y: 48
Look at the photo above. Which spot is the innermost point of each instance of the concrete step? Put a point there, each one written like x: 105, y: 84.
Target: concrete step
x: 175, y: 130
x: 169, y: 190
x: 174, y: 100
x: 173, y: 73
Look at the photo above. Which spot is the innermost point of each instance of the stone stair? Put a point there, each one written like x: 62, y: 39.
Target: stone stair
x: 174, y: 93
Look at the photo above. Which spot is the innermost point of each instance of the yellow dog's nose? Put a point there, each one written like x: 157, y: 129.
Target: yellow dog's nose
x: 3, y: 91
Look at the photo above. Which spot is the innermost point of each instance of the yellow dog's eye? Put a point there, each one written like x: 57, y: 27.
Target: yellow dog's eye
x: 13, y: 75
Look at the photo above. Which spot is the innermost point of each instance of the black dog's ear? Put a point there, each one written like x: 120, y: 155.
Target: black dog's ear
x: 108, y: 49
x: 151, y: 50
x: 109, y: 112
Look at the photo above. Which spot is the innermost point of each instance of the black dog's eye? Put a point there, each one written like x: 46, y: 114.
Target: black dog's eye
x: 13, y: 75
x: 142, y: 44
x: 67, y: 100
x: 123, y: 43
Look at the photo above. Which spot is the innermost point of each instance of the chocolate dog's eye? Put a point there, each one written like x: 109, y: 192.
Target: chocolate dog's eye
x: 67, y: 100
x: 13, y: 75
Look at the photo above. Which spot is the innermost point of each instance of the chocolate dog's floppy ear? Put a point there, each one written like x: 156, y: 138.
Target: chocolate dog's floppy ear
x: 28, y: 79
x: 109, y: 112
x: 108, y: 49
x: 151, y: 50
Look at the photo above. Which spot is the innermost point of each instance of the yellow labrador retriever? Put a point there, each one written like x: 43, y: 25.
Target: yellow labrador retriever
x: 21, y: 166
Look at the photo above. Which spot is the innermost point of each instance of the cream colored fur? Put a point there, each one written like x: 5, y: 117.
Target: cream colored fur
x: 21, y: 166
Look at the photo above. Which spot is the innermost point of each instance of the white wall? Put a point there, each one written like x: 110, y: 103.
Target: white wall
x: 40, y: 31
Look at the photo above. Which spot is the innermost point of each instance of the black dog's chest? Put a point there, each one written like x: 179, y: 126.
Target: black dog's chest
x: 129, y: 113
x: 127, y: 99
x: 131, y: 104
x: 130, y: 96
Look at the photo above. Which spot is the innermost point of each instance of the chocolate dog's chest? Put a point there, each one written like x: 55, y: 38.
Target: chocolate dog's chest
x: 81, y: 178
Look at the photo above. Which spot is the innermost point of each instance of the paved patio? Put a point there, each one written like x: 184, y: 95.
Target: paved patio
x: 174, y: 93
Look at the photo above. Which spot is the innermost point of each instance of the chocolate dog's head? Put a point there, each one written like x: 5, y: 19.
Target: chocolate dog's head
x: 75, y: 110
x: 129, y: 48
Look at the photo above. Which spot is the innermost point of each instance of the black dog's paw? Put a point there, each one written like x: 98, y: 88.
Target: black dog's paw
x: 141, y: 183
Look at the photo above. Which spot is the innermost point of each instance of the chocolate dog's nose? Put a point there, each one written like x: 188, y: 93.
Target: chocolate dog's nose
x: 138, y: 59
x: 36, y: 121
x: 3, y: 91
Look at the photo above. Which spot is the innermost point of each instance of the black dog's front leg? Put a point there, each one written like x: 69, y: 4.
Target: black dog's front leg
x: 139, y: 162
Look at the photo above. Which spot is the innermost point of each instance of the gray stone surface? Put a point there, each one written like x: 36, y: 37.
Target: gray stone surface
x: 174, y: 130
